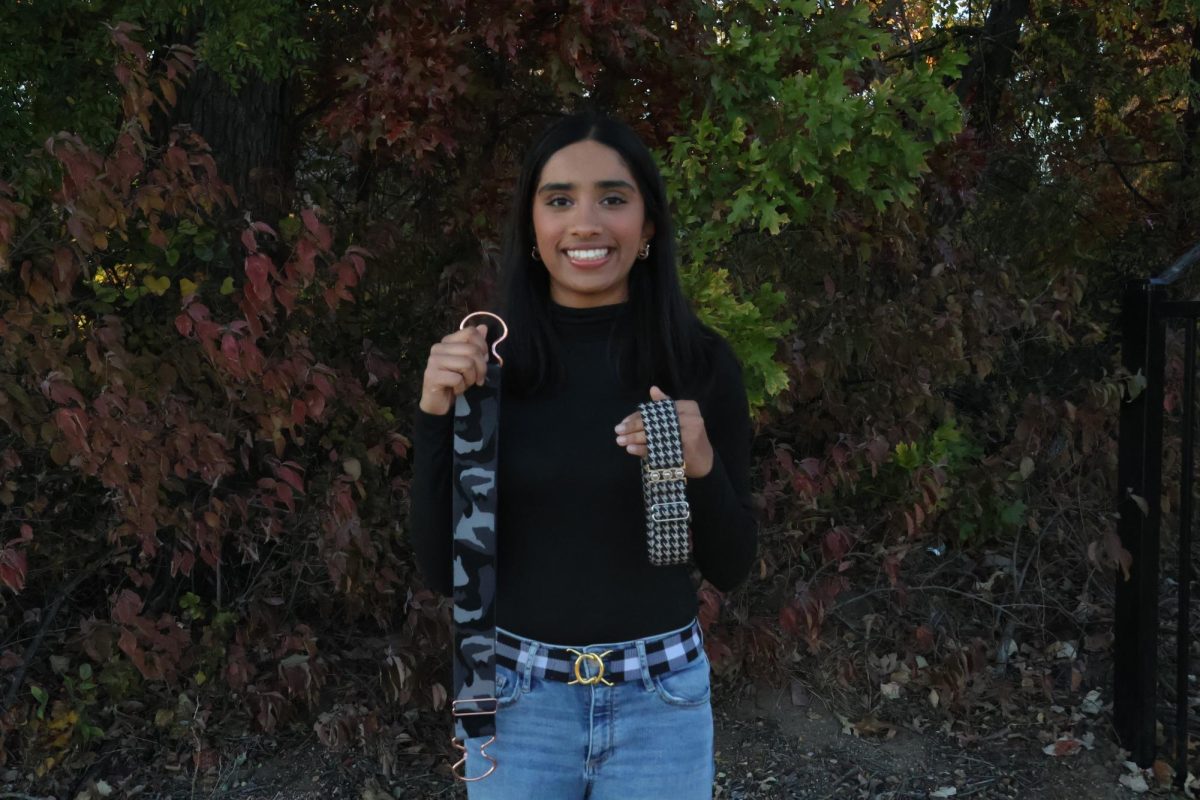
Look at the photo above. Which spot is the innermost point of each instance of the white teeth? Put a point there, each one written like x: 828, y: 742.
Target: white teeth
x: 588, y: 255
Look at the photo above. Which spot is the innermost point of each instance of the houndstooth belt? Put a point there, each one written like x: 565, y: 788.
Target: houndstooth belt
x: 664, y: 486
x: 599, y: 664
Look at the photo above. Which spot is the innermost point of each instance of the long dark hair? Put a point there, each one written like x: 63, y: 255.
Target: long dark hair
x: 667, y: 346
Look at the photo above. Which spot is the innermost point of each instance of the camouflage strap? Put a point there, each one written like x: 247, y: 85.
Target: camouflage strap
x: 476, y: 436
x: 476, y: 439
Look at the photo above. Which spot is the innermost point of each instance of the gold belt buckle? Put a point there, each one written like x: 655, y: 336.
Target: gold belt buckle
x: 593, y: 679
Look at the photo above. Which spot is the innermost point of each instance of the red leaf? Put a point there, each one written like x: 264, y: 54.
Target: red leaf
x: 924, y: 636
x: 1063, y: 747
x: 789, y: 619
x: 229, y: 347
x: 182, y: 562
x: 319, y: 231
x: 316, y: 404
x: 13, y: 566
x: 323, y: 385
x: 73, y: 424
x: 812, y: 466
x: 835, y: 544
x: 347, y: 274
x: 257, y: 268
x: 127, y: 607
x: 286, y: 298
x: 285, y: 494
x: 291, y: 476
x: 710, y: 606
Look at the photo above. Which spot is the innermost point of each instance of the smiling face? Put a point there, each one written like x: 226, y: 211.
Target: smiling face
x: 589, y: 220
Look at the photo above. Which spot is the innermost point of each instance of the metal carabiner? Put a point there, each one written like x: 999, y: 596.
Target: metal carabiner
x: 462, y: 762
x: 503, y: 326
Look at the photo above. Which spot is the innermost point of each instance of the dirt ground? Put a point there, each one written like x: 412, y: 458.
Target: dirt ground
x: 770, y: 748
x: 769, y: 744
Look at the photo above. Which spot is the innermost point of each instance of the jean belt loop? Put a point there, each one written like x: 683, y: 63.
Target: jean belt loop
x: 529, y: 652
x: 644, y: 665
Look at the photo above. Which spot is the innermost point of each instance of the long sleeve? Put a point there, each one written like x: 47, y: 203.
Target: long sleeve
x: 430, y: 498
x: 724, y: 529
x: 570, y: 521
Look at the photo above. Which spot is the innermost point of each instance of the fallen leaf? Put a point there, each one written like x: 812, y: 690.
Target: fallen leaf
x: 945, y: 791
x: 1063, y: 747
x: 1061, y: 650
x: 1164, y: 773
x: 871, y: 725
x: 1134, y: 783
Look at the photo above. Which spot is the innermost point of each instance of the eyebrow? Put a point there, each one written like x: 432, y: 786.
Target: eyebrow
x: 566, y: 187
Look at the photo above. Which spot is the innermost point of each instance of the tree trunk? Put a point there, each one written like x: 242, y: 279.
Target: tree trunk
x: 991, y: 66
x: 251, y: 133
x: 1191, y: 136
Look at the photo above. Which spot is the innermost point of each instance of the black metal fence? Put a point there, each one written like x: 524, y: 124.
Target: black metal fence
x: 1151, y: 321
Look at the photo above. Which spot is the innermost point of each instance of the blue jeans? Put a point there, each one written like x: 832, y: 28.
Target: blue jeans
x: 640, y: 738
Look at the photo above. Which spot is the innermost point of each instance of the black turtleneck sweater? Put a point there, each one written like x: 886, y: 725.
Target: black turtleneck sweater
x: 571, y: 529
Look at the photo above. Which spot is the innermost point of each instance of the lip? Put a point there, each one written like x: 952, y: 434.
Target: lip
x: 588, y: 265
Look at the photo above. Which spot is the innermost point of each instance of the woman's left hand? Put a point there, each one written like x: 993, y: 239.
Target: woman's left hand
x: 697, y: 450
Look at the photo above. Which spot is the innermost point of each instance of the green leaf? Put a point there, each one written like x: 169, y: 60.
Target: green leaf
x: 1013, y: 514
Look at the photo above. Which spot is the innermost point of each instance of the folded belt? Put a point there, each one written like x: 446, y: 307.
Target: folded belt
x: 600, y: 663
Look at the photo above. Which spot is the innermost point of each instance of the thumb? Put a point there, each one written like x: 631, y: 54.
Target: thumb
x: 657, y: 394
x: 483, y: 329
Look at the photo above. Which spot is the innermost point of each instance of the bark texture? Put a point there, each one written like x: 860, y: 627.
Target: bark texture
x: 252, y: 134
x: 991, y: 66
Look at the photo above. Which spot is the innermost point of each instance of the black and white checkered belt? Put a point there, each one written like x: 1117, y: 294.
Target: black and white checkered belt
x: 664, y: 486
x: 600, y: 664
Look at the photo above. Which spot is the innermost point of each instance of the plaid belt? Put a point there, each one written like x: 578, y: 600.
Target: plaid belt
x: 600, y: 663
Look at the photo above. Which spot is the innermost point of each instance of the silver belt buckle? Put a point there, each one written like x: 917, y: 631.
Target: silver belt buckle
x: 678, y: 511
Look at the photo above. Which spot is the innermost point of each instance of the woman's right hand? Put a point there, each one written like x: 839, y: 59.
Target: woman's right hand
x: 458, y: 361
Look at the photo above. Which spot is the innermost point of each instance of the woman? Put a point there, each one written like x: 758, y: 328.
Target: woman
x: 598, y: 324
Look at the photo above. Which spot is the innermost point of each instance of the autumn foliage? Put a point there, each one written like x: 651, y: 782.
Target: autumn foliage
x: 205, y: 394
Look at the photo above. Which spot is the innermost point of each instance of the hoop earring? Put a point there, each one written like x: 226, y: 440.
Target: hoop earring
x: 536, y: 255
x: 644, y: 253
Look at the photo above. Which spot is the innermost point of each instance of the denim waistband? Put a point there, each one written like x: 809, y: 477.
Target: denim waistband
x: 601, y: 663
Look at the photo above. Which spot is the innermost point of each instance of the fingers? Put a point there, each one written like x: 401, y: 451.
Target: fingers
x: 631, y: 424
x: 464, y: 352
x: 697, y: 451
x: 456, y: 363
x: 634, y: 443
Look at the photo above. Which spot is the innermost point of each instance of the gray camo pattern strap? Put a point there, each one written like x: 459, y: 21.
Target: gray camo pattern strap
x: 476, y: 437
x: 664, y: 486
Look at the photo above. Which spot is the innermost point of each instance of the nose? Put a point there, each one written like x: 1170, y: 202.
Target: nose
x: 585, y: 222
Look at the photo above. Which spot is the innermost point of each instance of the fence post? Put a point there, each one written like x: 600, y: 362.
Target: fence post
x: 1139, y: 477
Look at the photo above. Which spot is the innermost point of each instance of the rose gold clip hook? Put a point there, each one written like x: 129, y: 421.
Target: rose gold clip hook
x: 462, y: 762
x: 503, y: 326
